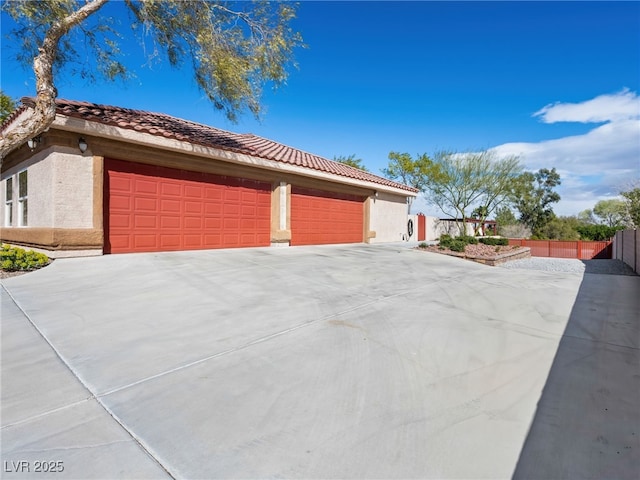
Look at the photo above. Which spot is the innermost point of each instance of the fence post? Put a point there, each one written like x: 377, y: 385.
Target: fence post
x: 635, y: 250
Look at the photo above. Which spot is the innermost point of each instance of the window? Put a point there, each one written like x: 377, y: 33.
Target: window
x: 8, y: 203
x: 22, y: 198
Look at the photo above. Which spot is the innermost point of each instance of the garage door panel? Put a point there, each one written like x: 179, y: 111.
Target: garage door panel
x: 121, y: 184
x: 170, y: 206
x: 169, y: 222
x: 193, y: 191
x: 247, y: 239
x: 150, y: 208
x: 231, y: 195
x: 212, y: 209
x: 146, y: 204
x: 120, y: 221
x: 144, y: 240
x: 144, y: 186
x: 120, y: 241
x: 169, y: 240
x: 212, y: 239
x: 121, y: 202
x: 247, y: 225
x: 214, y: 193
x: 192, y: 241
x: 146, y: 221
x: 231, y: 224
x: 319, y: 217
x: 193, y: 207
x: 171, y: 189
x: 193, y: 223
x: 212, y: 223
x: 248, y: 211
x: 231, y: 210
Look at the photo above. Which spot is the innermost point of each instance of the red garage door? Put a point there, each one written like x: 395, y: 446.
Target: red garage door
x: 151, y: 209
x: 319, y: 217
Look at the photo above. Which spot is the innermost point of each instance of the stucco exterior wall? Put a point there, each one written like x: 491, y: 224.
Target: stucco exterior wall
x: 60, y: 190
x: 437, y: 227
x: 73, y: 190
x: 40, y: 194
x: 389, y: 216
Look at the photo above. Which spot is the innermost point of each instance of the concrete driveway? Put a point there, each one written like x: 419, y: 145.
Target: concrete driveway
x: 353, y: 361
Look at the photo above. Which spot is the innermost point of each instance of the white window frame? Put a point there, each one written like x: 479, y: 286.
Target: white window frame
x: 8, y: 203
x: 23, y: 205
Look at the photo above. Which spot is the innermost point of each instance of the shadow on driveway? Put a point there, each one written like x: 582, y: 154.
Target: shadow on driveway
x: 587, y: 423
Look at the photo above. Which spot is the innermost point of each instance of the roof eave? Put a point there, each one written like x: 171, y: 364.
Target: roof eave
x: 76, y: 125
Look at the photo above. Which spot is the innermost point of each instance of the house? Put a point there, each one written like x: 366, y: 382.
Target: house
x: 105, y: 179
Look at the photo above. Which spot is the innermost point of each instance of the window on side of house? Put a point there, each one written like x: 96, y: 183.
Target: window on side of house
x: 22, y: 199
x: 8, y: 203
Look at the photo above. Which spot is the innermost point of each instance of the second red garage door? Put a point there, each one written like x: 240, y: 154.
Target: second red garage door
x: 319, y: 217
x: 151, y: 209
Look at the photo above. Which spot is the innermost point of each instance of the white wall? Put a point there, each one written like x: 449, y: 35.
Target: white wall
x: 437, y: 227
x: 60, y: 190
x: 388, y: 218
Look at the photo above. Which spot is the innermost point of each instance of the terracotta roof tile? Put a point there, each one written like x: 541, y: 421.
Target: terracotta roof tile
x: 171, y: 127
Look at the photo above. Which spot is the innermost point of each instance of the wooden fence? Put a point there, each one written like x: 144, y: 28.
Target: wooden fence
x: 583, y: 250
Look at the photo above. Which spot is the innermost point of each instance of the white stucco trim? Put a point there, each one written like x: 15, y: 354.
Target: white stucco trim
x: 79, y: 126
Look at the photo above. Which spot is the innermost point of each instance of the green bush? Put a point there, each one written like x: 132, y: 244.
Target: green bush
x: 468, y: 239
x: 457, y: 245
x: 423, y: 245
x: 494, y: 241
x: 445, y: 240
x: 15, y: 258
x: 596, y: 232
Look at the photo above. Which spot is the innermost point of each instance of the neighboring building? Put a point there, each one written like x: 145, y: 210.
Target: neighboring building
x: 105, y: 179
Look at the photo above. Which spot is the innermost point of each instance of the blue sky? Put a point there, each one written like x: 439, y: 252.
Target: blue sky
x: 554, y: 82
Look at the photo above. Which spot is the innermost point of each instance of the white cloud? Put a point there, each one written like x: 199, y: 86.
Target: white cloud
x: 593, y: 166
x: 604, y: 108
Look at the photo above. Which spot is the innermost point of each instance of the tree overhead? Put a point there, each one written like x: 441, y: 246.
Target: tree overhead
x: 234, y: 48
x: 404, y: 168
x: 533, y: 196
x: 632, y: 201
x: 352, y: 161
x: 612, y: 212
x: 7, y: 106
x: 457, y: 182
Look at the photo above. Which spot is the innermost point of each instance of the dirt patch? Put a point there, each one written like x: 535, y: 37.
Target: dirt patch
x: 5, y: 274
x: 486, y: 254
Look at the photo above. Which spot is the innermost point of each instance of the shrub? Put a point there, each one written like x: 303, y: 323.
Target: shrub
x: 445, y: 239
x: 494, y: 241
x: 468, y: 239
x: 423, y: 245
x: 457, y: 245
x: 596, y: 232
x: 15, y: 258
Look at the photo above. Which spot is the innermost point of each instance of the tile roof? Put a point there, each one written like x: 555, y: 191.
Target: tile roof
x: 171, y: 127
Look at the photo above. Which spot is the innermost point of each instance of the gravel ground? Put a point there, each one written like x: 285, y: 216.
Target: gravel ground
x: 568, y: 265
x: 4, y: 274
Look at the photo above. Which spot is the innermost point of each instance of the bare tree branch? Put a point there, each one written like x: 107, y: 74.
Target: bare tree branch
x: 45, y: 106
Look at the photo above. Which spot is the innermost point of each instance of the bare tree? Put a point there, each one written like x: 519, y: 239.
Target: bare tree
x: 456, y: 182
x: 232, y: 52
